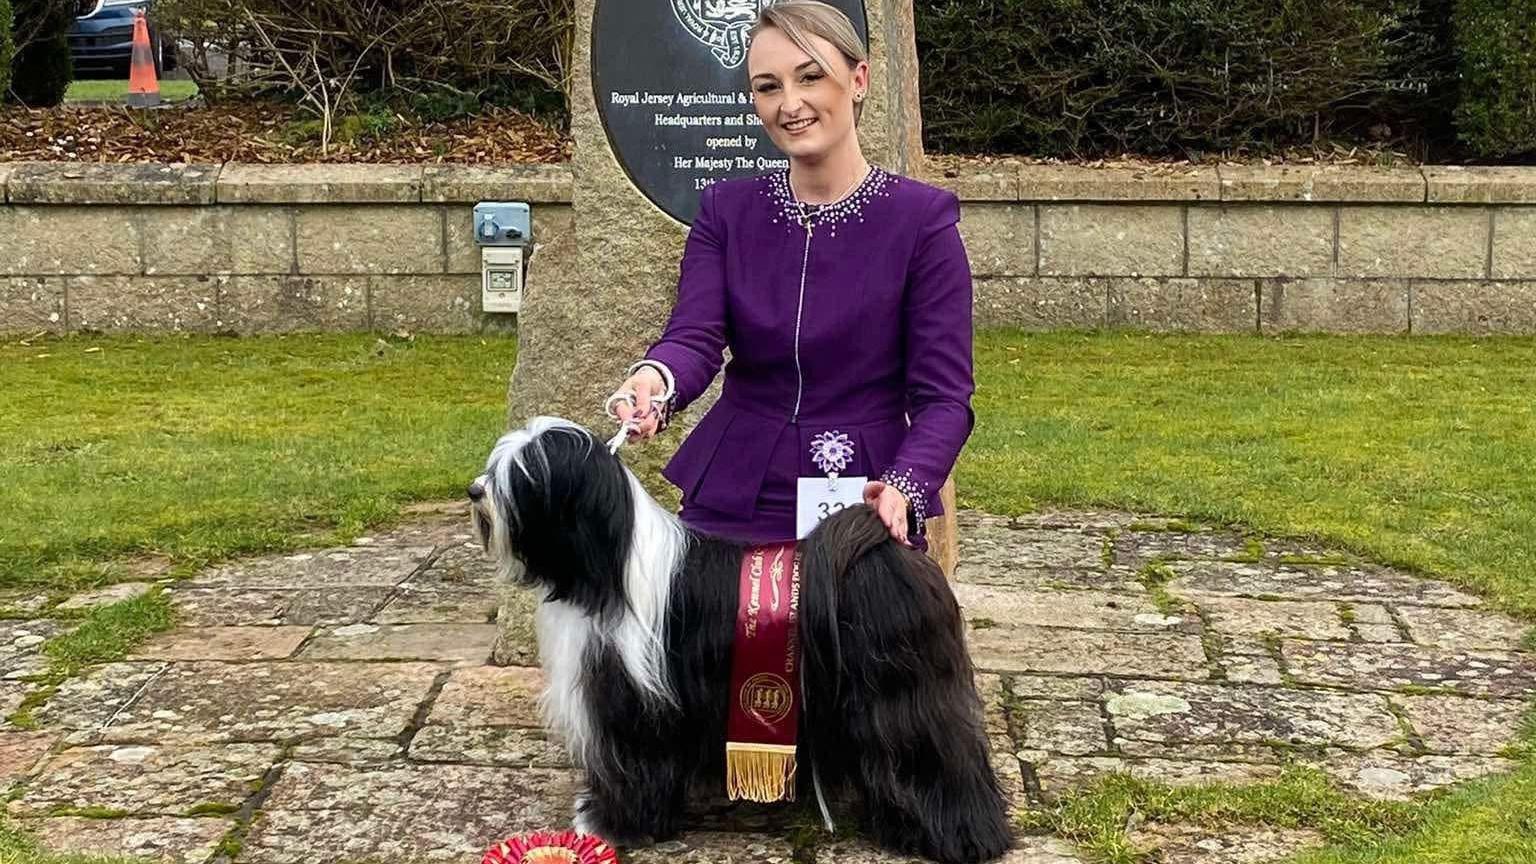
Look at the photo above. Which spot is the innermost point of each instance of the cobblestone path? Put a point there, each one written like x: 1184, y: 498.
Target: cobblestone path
x: 339, y: 705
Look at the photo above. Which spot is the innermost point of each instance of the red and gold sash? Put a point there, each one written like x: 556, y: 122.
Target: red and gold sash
x: 764, y: 714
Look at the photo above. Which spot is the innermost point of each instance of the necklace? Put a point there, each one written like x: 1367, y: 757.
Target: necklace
x: 805, y: 215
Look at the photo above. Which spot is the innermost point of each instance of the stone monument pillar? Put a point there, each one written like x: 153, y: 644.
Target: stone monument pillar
x: 595, y: 299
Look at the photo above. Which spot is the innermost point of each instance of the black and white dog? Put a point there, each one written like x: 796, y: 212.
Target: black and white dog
x: 635, y: 633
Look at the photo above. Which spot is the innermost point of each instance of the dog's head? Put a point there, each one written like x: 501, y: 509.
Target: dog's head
x: 555, y: 509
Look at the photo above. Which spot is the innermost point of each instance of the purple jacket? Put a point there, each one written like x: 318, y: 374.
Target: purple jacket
x: 860, y: 326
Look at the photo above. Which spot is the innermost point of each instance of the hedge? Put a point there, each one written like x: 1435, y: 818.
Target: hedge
x: 1167, y: 77
x: 1497, y: 43
x: 41, y: 69
x: 7, y: 48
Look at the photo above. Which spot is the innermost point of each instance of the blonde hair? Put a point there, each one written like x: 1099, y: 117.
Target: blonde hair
x: 802, y: 19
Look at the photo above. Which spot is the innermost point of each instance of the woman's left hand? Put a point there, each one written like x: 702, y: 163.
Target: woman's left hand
x: 892, y: 507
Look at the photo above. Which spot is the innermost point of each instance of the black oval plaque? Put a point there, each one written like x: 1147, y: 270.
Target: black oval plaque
x: 670, y: 79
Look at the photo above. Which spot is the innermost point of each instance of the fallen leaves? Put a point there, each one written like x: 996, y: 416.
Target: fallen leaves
x: 265, y: 132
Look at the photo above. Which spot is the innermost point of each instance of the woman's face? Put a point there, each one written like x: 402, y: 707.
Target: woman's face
x: 807, y: 110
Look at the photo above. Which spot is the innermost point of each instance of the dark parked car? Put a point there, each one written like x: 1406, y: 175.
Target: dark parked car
x: 101, y: 40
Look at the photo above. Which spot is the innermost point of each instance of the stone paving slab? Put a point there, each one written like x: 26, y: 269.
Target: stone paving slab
x: 461, y: 567
x: 994, y: 701
x: 86, y: 703
x: 26, y: 667
x: 1191, y: 844
x: 1387, y: 667
x: 1085, y: 610
x: 1238, y: 616
x: 1365, y: 584
x: 1135, y: 549
x: 1226, y: 751
x: 392, y: 742
x: 1027, y: 850
x: 275, y: 701
x: 1454, y: 724
x: 105, y: 596
x: 1073, y: 728
x: 1060, y: 774
x: 429, y: 523
x: 413, y: 603
x: 165, y: 839
x: 489, y: 715
x: 12, y: 694
x: 715, y: 848
x: 22, y: 640
x: 1078, y: 652
x: 1246, y: 660
x: 349, y: 751
x: 490, y: 696
x: 223, y: 643
x: 1115, y: 579
x: 1464, y: 629
x: 1207, y: 713
x: 382, y: 565
x: 468, y: 644
x: 517, y: 644
x: 1031, y: 548
x: 144, y: 779
x: 327, y: 814
x: 19, y: 752
x: 23, y: 604
x: 489, y: 746
x: 1389, y: 776
x: 1053, y: 687
x: 240, y: 607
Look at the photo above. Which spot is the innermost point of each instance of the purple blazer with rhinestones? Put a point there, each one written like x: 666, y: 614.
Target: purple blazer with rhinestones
x: 860, y: 325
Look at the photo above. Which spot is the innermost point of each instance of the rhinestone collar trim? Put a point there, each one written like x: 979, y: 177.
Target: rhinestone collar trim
x: 850, y: 209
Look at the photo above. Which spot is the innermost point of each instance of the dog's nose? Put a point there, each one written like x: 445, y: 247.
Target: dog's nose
x: 476, y: 491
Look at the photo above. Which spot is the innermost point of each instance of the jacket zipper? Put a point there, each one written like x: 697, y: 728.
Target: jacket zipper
x: 799, y: 309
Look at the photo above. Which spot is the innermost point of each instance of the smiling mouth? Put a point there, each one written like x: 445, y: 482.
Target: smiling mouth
x: 798, y: 125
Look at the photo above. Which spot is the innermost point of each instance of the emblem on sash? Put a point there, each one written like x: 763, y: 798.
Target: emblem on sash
x: 767, y: 697
x: 720, y: 24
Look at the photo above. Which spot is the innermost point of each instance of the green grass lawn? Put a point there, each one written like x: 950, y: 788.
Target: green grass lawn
x: 1420, y: 452
x: 202, y: 448
x: 117, y: 91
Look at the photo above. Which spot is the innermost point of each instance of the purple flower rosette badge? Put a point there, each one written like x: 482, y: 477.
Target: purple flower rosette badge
x: 832, y: 452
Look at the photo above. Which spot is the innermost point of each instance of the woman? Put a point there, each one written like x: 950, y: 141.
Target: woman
x: 844, y: 295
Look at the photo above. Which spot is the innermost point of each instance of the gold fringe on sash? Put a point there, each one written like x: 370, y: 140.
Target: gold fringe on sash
x: 760, y: 772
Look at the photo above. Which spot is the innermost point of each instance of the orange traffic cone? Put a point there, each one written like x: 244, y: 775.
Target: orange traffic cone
x: 143, y: 87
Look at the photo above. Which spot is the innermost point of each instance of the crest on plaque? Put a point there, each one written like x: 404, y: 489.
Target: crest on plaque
x: 720, y: 24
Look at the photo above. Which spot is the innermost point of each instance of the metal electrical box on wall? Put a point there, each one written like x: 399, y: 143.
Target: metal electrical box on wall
x: 503, y: 230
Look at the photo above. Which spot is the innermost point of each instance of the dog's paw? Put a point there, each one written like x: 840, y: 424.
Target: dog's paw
x: 587, y: 822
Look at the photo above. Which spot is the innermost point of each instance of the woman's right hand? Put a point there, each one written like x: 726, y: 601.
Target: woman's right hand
x: 645, y: 384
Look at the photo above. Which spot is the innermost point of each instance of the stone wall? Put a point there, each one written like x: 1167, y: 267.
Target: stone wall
x: 255, y: 249
x: 1256, y: 249
x: 251, y: 249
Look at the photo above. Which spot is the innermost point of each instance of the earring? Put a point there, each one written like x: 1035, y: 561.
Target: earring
x: 858, y: 97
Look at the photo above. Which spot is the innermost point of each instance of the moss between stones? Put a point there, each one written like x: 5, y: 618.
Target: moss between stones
x: 89, y: 812
x: 213, y: 808
x: 1155, y: 576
